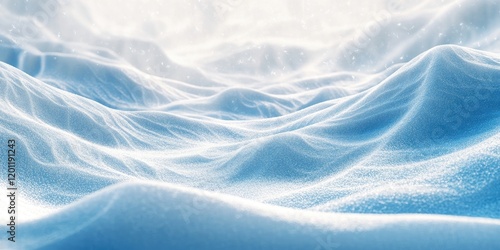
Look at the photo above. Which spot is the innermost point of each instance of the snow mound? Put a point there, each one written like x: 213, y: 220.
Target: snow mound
x: 287, y: 134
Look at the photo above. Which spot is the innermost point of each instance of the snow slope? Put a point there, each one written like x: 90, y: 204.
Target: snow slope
x: 377, y: 128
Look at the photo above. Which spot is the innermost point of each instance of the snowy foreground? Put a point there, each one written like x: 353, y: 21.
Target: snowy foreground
x: 234, y: 125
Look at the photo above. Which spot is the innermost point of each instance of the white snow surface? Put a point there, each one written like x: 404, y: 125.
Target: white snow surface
x: 234, y: 124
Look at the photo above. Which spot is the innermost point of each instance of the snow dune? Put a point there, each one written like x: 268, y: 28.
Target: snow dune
x: 158, y: 216
x: 307, y: 131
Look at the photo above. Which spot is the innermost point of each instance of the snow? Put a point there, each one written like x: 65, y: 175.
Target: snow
x: 238, y: 125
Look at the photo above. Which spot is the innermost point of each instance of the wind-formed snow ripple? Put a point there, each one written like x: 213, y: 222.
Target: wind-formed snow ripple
x: 285, y: 144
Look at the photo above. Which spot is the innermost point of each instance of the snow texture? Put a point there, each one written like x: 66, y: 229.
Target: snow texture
x: 252, y: 124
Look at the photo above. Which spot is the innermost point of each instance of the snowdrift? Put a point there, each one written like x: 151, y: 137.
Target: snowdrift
x: 251, y: 142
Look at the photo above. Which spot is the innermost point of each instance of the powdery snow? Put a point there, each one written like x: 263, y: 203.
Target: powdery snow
x: 262, y: 125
